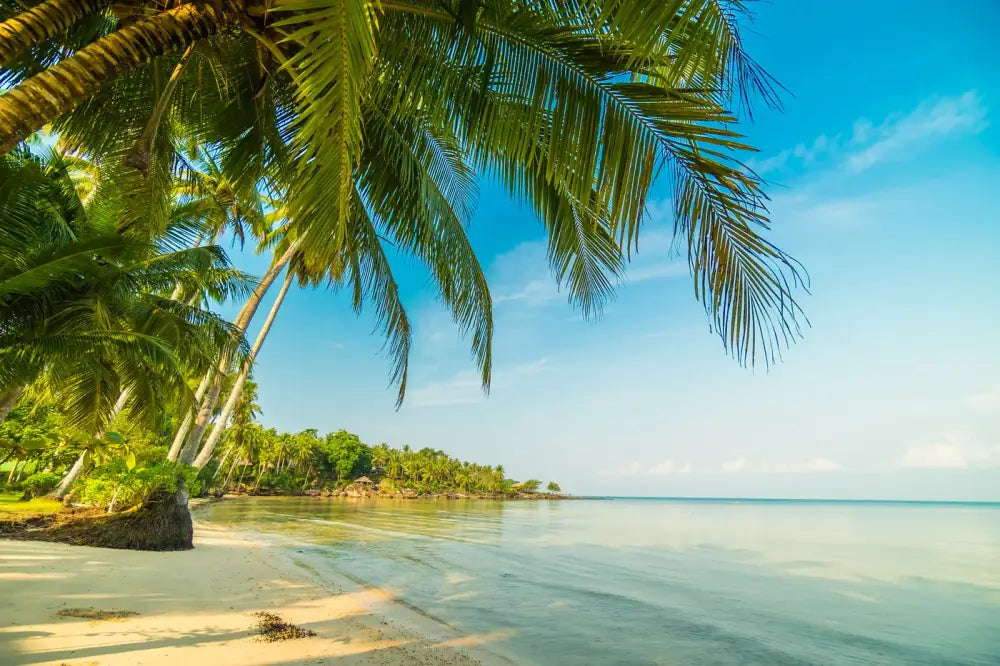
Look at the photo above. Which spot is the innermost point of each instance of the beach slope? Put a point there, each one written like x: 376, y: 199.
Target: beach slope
x: 196, y: 607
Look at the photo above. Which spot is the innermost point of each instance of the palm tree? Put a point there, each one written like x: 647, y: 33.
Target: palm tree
x: 83, y: 305
x: 237, y: 389
x: 574, y: 107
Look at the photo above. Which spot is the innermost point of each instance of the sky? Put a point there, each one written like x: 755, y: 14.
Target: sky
x: 884, y: 173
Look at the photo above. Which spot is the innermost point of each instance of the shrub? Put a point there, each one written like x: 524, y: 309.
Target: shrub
x: 40, y: 483
x: 282, y: 481
x: 529, y: 486
x: 130, y: 488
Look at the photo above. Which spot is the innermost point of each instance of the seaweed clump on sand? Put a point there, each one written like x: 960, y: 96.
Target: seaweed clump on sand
x: 96, y: 613
x: 270, y: 628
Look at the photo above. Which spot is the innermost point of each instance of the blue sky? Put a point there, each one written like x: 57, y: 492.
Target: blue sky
x: 883, y: 169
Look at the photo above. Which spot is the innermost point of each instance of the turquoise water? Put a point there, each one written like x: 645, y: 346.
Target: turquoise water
x: 634, y: 581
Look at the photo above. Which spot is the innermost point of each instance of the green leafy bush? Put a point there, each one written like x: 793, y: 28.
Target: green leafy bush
x: 40, y: 483
x: 130, y: 487
x: 281, y: 481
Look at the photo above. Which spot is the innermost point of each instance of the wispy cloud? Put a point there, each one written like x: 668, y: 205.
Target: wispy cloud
x: 465, y: 387
x: 743, y: 465
x: 522, y: 276
x: 735, y: 465
x: 667, y: 467
x: 896, y: 136
x: 932, y: 119
x: 657, y: 271
x: 987, y: 401
x: 630, y: 469
x: 955, y: 451
x: 662, y: 468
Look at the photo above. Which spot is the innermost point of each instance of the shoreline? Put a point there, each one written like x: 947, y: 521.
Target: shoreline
x: 196, y: 607
x: 350, y: 493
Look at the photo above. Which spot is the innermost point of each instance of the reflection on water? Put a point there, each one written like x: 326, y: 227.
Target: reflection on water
x: 662, y: 582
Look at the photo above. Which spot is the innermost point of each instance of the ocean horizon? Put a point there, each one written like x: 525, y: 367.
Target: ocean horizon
x: 802, y: 500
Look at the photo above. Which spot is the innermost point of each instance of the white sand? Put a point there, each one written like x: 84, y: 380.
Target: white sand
x: 195, y: 608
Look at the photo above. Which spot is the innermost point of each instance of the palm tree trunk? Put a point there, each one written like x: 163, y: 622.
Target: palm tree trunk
x: 8, y: 399
x: 182, y: 431
x: 44, y: 97
x: 222, y: 463
x: 138, y: 157
x: 74, y: 472
x: 72, y: 475
x: 237, y: 390
x: 242, y: 322
x: 42, y: 23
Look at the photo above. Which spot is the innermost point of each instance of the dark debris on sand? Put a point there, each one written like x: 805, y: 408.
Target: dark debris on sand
x: 95, y: 613
x: 271, y: 627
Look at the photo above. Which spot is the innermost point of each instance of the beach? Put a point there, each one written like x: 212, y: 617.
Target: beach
x: 196, y: 607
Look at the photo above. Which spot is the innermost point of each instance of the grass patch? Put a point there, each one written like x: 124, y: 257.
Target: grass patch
x: 12, y: 507
x: 270, y: 627
x: 96, y: 613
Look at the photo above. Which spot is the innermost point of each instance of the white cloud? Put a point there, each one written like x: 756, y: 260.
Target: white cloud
x: 814, y: 465
x: 955, y: 451
x: 626, y: 470
x: 742, y: 465
x: 935, y: 455
x: 933, y: 118
x: 533, y: 292
x: 522, y: 274
x: 669, y: 467
x: 465, y: 387
x: 801, y: 153
x: 897, y: 135
x: 988, y: 401
x: 662, y: 468
x: 735, y: 466
x: 663, y: 269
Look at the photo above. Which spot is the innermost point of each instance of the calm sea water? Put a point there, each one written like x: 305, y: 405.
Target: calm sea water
x: 637, y: 581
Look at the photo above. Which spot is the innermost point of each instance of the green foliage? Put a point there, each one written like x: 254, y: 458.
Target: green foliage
x: 529, y: 486
x: 553, y: 487
x: 343, y: 454
x: 40, y: 483
x: 83, y: 309
x: 128, y: 488
x: 255, y: 458
x: 372, y: 120
x: 284, y: 481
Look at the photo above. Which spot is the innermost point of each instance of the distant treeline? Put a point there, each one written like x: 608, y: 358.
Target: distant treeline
x: 38, y: 450
x: 261, y: 459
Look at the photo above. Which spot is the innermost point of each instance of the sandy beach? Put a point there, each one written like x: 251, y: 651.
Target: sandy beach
x: 195, y: 607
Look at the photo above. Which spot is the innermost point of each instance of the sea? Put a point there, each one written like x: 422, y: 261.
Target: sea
x: 669, y: 581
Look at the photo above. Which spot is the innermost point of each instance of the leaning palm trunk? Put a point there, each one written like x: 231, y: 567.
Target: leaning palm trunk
x: 185, y: 427
x: 234, y: 395
x: 138, y: 157
x: 42, y: 23
x: 74, y: 472
x: 8, y: 399
x: 242, y: 322
x: 72, y: 475
x: 30, y: 105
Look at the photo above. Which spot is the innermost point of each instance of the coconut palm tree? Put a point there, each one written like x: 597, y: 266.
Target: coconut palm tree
x: 85, y: 305
x: 574, y: 106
